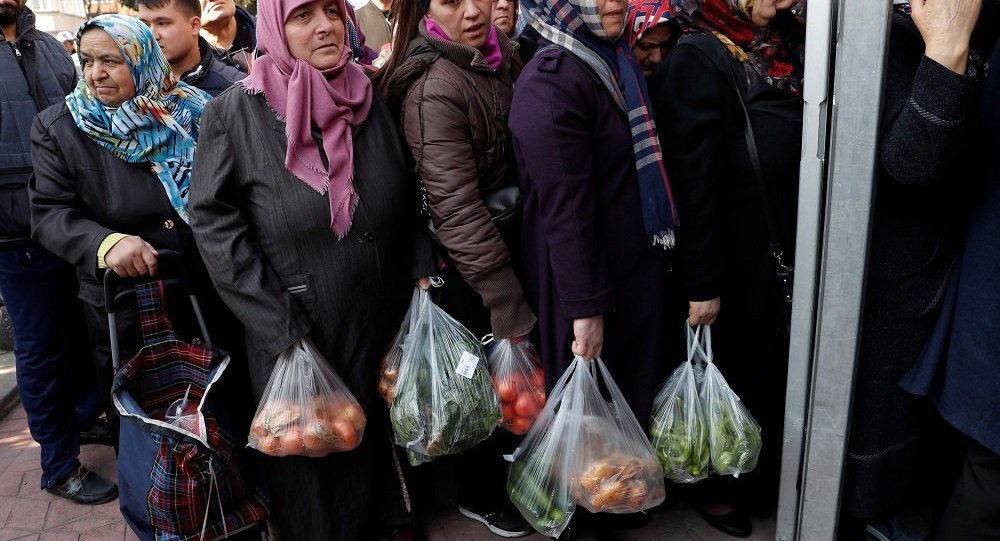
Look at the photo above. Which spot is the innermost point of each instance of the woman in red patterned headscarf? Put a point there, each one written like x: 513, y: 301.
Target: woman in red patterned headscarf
x: 728, y: 57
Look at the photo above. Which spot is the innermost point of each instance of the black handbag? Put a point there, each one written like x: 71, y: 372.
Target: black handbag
x: 783, y: 272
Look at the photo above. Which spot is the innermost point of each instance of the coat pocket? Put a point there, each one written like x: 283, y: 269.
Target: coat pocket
x: 300, y: 286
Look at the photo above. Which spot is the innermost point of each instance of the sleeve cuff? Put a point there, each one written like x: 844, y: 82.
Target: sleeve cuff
x: 501, y: 291
x: 939, y: 94
x: 105, y: 246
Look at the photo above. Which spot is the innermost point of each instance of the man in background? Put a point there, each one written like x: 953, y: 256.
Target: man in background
x: 56, y: 378
x: 231, y: 31
x: 176, y: 25
x: 375, y: 20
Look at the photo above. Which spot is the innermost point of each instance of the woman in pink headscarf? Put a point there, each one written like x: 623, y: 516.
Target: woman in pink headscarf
x: 301, y: 204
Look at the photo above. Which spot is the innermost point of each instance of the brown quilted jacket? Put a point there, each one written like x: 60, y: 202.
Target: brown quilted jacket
x: 454, y: 116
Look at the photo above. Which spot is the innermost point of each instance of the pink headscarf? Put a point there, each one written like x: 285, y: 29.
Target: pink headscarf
x: 335, y: 100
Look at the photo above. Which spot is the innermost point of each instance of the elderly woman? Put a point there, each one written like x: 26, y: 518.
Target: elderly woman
x: 112, y: 170
x: 452, y: 79
x: 598, y: 213
x: 733, y: 216
x: 302, y: 205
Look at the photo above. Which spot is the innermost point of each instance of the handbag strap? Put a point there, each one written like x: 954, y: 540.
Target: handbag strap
x: 782, y: 269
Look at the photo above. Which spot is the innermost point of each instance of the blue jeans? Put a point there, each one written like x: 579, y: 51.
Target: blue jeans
x: 55, y: 374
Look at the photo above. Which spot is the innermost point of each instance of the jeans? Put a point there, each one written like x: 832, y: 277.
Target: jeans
x: 55, y: 374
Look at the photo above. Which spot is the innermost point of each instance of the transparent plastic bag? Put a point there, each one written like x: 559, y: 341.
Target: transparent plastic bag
x: 678, y: 430
x: 520, y: 381
x: 389, y: 368
x: 444, y: 399
x: 306, y: 409
x: 733, y: 434
x: 583, y: 450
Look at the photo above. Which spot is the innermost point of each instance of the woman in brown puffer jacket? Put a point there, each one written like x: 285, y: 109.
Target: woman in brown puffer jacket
x: 451, y: 79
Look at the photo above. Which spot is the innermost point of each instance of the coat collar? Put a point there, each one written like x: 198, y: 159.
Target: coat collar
x: 467, y: 57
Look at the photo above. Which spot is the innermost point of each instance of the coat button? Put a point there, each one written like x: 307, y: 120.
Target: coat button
x: 168, y: 224
x: 378, y: 295
x: 368, y: 236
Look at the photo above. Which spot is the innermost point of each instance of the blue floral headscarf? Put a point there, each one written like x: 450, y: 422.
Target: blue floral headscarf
x: 158, y: 125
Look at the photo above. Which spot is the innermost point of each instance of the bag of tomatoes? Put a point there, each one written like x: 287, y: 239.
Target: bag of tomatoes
x: 520, y: 382
x: 306, y: 409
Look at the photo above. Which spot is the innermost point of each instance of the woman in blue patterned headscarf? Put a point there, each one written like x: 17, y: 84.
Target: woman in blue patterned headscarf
x: 111, y: 174
x: 158, y: 124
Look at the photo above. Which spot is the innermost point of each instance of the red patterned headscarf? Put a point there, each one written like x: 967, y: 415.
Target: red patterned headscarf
x: 757, y: 47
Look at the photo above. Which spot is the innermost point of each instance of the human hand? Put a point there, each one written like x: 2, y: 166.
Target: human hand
x: 703, y: 312
x: 588, y: 334
x: 946, y: 26
x: 424, y: 283
x: 131, y: 256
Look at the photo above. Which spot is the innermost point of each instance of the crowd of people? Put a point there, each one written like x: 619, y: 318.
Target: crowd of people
x: 587, y: 175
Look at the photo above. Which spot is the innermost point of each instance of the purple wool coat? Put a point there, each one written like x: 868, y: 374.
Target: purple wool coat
x: 584, y: 247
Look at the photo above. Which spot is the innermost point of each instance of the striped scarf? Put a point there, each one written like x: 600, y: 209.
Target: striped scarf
x: 158, y: 125
x: 575, y: 25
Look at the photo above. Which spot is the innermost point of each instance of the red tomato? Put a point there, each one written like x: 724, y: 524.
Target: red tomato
x: 538, y: 379
x: 526, y: 405
x: 506, y: 390
x: 508, y: 412
x: 520, y: 425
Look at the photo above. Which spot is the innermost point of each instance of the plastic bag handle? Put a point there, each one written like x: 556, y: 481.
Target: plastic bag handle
x: 698, y: 341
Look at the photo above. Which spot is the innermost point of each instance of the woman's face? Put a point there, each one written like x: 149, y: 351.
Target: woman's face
x: 464, y: 21
x: 104, y: 68
x: 763, y: 11
x: 314, y: 32
x: 612, y: 14
x: 505, y: 15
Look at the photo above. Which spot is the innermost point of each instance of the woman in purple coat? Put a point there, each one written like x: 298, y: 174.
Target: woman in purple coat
x: 598, y: 214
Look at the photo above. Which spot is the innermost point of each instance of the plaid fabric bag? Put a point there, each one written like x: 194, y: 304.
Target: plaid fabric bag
x: 179, y: 472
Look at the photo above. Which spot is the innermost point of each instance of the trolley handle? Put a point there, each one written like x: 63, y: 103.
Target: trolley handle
x: 114, y: 292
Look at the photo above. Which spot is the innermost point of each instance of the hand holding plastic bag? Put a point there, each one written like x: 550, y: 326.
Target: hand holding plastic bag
x: 520, y: 382
x: 585, y: 451
x: 678, y: 429
x: 306, y: 409
x: 444, y: 399
x: 733, y: 434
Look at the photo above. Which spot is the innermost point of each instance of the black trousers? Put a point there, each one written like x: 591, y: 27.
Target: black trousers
x: 973, y: 513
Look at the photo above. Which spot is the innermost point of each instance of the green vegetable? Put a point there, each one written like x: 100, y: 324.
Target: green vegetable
x: 678, y: 431
x: 539, y: 498
x: 436, y: 411
x: 734, y: 437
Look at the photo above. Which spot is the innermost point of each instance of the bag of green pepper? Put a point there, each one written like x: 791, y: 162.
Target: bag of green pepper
x: 444, y: 401
x: 678, y: 430
x: 733, y: 434
x: 583, y: 450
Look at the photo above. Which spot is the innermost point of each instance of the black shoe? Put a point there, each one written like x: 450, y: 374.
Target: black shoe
x: 85, y: 487
x: 500, y: 521
x: 735, y: 523
x: 97, y: 434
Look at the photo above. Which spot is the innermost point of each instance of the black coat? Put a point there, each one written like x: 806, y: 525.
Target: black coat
x: 81, y: 193
x: 723, y: 241
x: 267, y: 241
x: 959, y: 371
x: 927, y: 175
x: 212, y: 74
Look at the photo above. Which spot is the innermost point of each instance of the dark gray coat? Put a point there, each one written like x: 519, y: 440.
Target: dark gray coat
x: 266, y: 240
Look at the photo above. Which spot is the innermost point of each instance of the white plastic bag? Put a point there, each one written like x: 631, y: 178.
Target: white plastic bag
x: 583, y: 450
x: 733, y: 434
x: 520, y: 381
x: 444, y: 399
x: 306, y: 409
x: 678, y: 430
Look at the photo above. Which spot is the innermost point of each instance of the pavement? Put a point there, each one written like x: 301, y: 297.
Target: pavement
x: 28, y: 513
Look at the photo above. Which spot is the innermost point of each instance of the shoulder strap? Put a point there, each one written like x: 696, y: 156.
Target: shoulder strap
x: 777, y: 250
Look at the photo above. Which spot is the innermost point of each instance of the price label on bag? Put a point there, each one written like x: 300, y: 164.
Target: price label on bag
x: 467, y: 365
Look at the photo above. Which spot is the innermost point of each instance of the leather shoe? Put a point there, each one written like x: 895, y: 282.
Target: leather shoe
x: 735, y: 523
x: 85, y: 487
x: 97, y: 434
